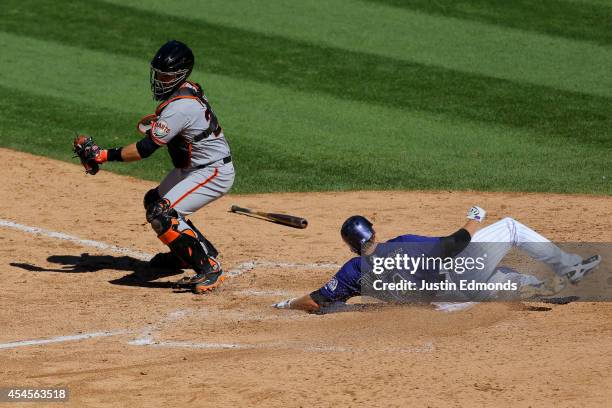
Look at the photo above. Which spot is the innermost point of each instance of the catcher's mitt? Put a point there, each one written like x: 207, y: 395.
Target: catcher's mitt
x: 87, y: 150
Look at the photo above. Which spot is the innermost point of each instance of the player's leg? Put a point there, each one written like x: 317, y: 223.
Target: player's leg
x: 201, y: 187
x: 540, y: 248
x: 183, y: 243
x: 508, y: 233
x: 493, y: 243
x: 165, y: 260
x: 197, y: 189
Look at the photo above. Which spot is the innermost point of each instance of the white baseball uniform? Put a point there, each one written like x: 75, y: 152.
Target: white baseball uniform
x: 497, y: 239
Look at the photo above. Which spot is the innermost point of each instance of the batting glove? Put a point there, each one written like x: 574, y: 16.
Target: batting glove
x: 101, y: 157
x: 285, y: 304
x: 477, y: 214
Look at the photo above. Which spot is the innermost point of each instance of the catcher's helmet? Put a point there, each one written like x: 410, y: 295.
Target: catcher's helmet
x: 356, y: 231
x: 170, y: 67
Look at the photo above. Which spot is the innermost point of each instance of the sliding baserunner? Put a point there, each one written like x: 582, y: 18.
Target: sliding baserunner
x: 488, y: 246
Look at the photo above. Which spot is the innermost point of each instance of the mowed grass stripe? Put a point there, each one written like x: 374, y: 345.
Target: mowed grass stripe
x: 408, y: 35
x: 310, y: 68
x: 284, y: 140
x: 96, y: 78
x: 563, y: 18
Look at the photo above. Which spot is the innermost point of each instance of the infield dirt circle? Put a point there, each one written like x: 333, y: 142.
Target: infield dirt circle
x: 230, y: 348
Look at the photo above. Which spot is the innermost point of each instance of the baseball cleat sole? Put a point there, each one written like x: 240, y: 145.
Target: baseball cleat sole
x: 578, y: 272
x: 200, y: 288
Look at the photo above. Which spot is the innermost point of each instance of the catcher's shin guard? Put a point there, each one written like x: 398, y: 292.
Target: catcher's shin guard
x: 184, y: 244
x: 208, y: 246
x: 190, y: 251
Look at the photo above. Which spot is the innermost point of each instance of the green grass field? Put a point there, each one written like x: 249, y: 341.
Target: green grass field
x: 335, y: 95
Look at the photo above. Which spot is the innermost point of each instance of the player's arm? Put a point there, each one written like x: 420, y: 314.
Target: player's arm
x: 132, y: 152
x: 456, y: 242
x: 305, y: 303
x: 341, y: 287
x: 157, y: 132
x: 472, y: 226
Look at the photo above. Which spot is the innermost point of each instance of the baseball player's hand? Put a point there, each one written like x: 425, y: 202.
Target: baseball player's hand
x: 477, y: 214
x: 285, y: 304
x: 101, y: 157
x: 89, y: 153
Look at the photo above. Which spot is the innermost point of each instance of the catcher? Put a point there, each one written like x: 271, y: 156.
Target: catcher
x: 185, y: 123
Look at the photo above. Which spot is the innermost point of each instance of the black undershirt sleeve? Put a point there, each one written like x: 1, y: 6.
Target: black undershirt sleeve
x: 146, y: 146
x: 454, y: 243
x: 114, y: 154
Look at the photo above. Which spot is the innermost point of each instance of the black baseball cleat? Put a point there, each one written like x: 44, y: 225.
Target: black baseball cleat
x: 579, y: 271
x: 167, y: 260
x: 203, y: 281
x: 210, y: 281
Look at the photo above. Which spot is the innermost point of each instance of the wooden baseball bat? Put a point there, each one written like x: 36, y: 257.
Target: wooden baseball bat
x: 284, y: 219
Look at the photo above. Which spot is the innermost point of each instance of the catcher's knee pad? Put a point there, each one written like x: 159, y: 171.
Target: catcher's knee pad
x: 161, y: 216
x: 151, y: 197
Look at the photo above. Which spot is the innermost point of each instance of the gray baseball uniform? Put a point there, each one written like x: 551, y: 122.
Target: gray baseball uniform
x: 200, y: 153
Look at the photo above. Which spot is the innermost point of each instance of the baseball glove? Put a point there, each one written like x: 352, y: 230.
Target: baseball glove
x: 87, y: 151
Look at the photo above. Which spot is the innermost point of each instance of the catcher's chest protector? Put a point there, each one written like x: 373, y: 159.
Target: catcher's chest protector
x: 179, y: 147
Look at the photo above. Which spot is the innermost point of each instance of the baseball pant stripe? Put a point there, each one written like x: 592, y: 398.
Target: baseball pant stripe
x: 196, y: 187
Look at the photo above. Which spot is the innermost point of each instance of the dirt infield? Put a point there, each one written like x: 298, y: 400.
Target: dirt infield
x: 230, y: 348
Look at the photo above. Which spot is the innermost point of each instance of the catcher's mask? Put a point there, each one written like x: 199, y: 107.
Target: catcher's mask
x: 356, y: 232
x: 170, y: 67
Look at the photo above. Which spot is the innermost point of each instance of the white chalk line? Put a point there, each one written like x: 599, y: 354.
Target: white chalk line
x: 147, y: 335
x: 427, y: 347
x: 60, y: 339
x: 191, y: 345
x: 76, y: 240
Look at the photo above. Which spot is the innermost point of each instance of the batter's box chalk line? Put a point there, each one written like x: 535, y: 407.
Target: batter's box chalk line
x: 60, y: 339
